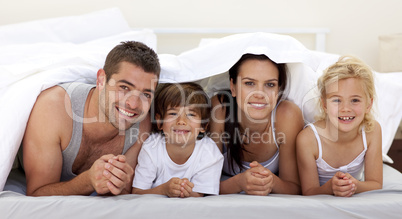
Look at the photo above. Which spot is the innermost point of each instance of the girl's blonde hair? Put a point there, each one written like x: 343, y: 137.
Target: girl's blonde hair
x: 348, y: 67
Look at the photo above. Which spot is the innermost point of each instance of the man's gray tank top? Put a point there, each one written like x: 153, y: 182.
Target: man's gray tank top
x: 78, y: 93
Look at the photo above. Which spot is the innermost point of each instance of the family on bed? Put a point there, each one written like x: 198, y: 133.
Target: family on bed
x: 127, y: 134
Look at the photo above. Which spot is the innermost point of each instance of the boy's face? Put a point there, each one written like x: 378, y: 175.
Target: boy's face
x: 181, y: 125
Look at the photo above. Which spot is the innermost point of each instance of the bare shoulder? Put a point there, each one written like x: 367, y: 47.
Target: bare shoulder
x: 375, y: 134
x: 289, y: 116
x: 51, y: 116
x: 287, y: 108
x: 56, y: 96
x: 306, y: 141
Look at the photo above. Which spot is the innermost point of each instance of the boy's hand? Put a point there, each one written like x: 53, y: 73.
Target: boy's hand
x: 172, y: 188
x: 186, y: 188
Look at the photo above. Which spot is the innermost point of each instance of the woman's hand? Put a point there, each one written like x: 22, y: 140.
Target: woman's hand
x: 257, y: 180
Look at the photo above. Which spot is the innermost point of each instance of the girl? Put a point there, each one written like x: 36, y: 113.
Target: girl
x: 333, y: 152
x: 256, y: 130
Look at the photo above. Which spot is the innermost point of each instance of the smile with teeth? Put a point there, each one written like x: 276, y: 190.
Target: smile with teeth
x: 346, y: 118
x: 179, y: 131
x: 258, y: 104
x: 125, y: 112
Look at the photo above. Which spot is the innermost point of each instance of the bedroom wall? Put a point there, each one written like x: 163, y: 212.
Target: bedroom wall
x: 354, y: 25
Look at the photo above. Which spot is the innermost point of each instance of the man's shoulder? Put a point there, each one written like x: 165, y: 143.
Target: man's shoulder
x: 53, y: 102
x: 54, y: 94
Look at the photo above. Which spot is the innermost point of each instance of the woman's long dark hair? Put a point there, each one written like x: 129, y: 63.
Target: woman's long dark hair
x: 234, y: 141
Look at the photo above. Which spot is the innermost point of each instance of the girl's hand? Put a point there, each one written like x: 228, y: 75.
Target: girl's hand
x: 354, y: 182
x: 257, y: 180
x: 342, y: 185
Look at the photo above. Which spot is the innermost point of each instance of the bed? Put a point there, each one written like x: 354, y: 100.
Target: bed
x: 64, y: 50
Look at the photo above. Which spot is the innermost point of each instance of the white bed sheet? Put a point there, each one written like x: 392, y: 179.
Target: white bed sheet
x: 384, y: 203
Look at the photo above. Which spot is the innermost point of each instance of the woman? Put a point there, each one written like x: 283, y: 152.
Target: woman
x: 256, y: 130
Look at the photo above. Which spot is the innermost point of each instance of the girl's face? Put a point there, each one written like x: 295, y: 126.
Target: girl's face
x: 346, y: 104
x: 181, y: 125
x: 256, y: 89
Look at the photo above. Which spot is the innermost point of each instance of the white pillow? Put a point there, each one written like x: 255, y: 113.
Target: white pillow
x: 75, y: 29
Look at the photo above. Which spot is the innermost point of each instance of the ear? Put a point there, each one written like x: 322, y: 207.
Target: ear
x: 369, y: 106
x: 324, y: 104
x: 203, y: 129
x: 232, y: 88
x: 101, y: 79
x: 158, y: 122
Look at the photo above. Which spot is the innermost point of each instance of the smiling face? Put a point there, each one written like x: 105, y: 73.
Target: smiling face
x: 181, y: 125
x: 126, y: 98
x: 256, y: 89
x: 346, y: 104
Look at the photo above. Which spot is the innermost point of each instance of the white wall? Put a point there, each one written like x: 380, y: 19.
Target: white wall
x: 355, y: 25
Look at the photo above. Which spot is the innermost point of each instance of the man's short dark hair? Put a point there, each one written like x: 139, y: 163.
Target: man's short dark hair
x: 132, y: 52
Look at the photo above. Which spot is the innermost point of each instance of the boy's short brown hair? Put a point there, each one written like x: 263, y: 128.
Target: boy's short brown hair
x: 180, y: 94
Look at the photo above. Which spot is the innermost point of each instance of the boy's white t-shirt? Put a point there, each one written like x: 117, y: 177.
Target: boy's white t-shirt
x: 203, y: 167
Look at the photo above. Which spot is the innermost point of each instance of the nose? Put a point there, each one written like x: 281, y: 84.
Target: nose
x: 182, y: 119
x: 259, y: 92
x: 345, y: 106
x: 133, y: 100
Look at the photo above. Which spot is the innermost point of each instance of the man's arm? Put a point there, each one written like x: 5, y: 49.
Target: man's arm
x: 47, y: 133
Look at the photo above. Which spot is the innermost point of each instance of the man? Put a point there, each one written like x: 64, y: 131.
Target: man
x: 76, y: 133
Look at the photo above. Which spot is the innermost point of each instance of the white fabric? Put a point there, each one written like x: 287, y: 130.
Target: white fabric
x: 203, y: 167
x: 208, y: 65
x: 382, y: 203
x: 75, y: 29
x: 326, y: 171
x: 27, y: 69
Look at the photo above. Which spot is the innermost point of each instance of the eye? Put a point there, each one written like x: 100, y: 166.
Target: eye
x: 191, y: 115
x: 172, y: 114
x: 336, y: 100
x: 147, y: 95
x: 355, y: 100
x: 249, y: 83
x: 270, y: 84
x: 124, y: 87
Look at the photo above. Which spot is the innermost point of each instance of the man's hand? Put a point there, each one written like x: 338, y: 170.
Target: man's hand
x: 111, y: 174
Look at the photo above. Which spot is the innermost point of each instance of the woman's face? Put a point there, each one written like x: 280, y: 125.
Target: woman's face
x: 256, y: 89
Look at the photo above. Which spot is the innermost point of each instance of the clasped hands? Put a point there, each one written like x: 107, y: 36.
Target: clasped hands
x: 343, y: 184
x: 111, y: 174
x: 257, y: 180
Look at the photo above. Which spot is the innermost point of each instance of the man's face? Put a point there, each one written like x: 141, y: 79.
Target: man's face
x: 127, y: 96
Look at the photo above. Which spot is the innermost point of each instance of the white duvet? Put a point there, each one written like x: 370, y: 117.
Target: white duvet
x: 26, y: 70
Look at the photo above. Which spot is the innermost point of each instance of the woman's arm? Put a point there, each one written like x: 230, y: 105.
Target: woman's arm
x: 289, y: 122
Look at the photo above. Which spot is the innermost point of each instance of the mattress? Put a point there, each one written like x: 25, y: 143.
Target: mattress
x: 384, y: 203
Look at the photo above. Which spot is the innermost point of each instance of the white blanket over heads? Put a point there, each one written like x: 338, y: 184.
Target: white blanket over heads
x: 208, y: 65
x: 27, y: 69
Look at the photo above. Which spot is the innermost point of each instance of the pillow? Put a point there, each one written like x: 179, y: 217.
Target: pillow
x: 75, y: 29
